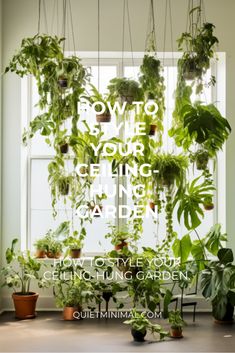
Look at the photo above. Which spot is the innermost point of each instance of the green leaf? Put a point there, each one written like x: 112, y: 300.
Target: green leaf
x: 225, y: 256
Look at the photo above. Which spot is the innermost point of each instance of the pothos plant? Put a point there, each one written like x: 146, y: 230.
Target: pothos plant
x: 198, y: 45
x: 169, y: 176
x: 42, y: 57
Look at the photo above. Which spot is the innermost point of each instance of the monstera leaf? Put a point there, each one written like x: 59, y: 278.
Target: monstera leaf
x: 205, y: 125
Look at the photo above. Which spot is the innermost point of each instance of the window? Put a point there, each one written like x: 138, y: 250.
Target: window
x: 36, y: 202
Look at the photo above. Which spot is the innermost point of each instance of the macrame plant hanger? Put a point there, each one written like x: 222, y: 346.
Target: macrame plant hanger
x: 150, y: 40
x: 126, y: 14
x: 195, y: 19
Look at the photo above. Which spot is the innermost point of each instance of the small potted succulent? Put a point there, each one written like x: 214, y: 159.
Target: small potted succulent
x: 140, y: 325
x: 177, y: 324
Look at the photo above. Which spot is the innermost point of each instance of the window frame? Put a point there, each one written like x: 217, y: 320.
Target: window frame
x: 218, y: 68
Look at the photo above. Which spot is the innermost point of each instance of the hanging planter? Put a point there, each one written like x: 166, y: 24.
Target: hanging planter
x: 64, y: 148
x: 125, y: 89
x: 63, y: 82
x: 152, y: 129
x: 208, y: 204
x: 63, y: 185
x: 103, y: 118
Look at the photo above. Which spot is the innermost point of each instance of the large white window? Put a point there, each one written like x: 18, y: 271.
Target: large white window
x: 36, y: 201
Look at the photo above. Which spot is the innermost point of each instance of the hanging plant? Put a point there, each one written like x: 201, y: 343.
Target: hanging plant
x: 169, y: 172
x: 125, y: 89
x: 96, y: 97
x: 198, y: 45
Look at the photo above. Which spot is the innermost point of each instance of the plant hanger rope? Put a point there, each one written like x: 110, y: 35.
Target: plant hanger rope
x: 41, y: 4
x: 126, y: 13
x: 168, y: 8
x: 151, y: 41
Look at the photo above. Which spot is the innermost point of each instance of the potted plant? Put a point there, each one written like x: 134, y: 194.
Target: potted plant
x: 169, y: 176
x: 54, y: 247
x: 52, y: 241
x: 72, y: 294
x: 218, y: 283
x: 177, y: 323
x: 75, y: 243
x: 191, y: 200
x: 126, y: 89
x: 97, y: 97
x: 198, y: 46
x: 208, y: 204
x: 41, y: 248
x: 21, y: 269
x: 201, y: 158
x: 119, y: 236
x: 140, y: 325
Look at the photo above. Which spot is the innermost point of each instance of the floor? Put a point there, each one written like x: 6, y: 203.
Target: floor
x: 49, y: 333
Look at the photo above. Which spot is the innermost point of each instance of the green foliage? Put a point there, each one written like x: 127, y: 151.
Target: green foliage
x: 175, y: 319
x: 52, y: 241
x: 199, y: 49
x: 140, y: 323
x: 191, y: 203
x: 182, y: 248
x: 119, y: 234
x: 218, y: 282
x: 20, y: 270
x: 76, y: 240
x: 171, y: 169
x: 202, y: 124
x: 71, y: 290
x: 151, y: 79
x: 95, y: 97
x: 126, y: 89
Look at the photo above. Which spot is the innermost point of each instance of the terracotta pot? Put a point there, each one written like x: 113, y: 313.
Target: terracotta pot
x: 152, y: 129
x: 25, y: 305
x: 63, y: 82
x: 68, y: 313
x: 138, y: 335
x: 152, y: 205
x: 176, y: 333
x: 75, y: 253
x: 40, y: 254
x: 121, y: 245
x: 103, y: 118
x: 64, y: 148
x: 52, y: 255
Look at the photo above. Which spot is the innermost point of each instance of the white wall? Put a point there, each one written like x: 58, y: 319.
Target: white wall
x: 20, y: 20
x: 0, y: 141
